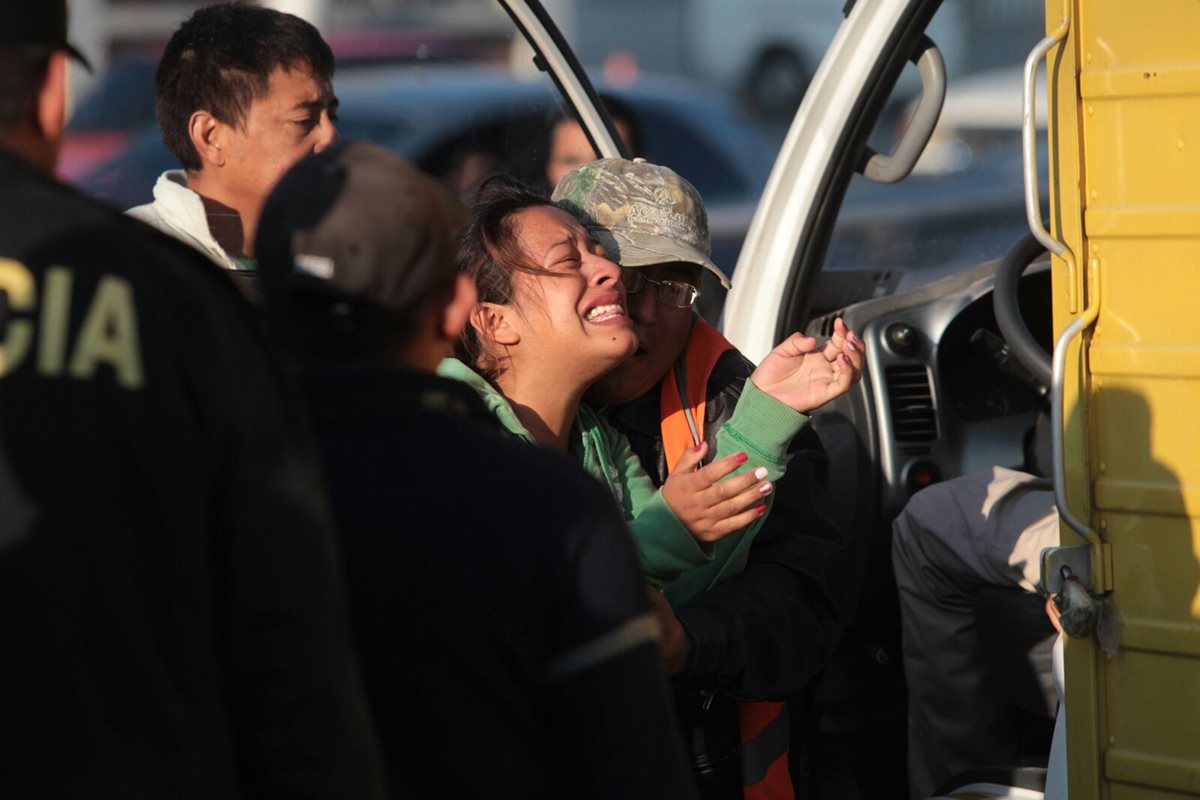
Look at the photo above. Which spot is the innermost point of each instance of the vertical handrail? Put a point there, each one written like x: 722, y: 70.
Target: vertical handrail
x: 1033, y: 201
x: 1033, y: 214
x: 1058, y: 411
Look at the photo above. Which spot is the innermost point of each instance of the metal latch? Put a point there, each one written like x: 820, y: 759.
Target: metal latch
x: 1066, y: 574
x: 1076, y: 557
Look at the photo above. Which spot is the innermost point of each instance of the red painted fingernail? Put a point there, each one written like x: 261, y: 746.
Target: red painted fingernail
x: 741, y: 458
x: 762, y: 510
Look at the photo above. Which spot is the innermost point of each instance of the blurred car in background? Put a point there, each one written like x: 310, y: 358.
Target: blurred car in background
x: 764, y: 50
x: 120, y: 106
x: 446, y: 117
x: 980, y: 119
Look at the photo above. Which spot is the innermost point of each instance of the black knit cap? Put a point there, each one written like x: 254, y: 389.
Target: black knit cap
x: 37, y: 22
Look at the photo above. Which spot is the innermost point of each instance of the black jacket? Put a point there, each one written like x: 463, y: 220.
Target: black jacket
x: 172, y: 617
x: 761, y: 634
x: 506, y: 635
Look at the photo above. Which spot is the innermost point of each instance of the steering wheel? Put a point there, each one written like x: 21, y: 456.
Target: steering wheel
x: 1012, y: 325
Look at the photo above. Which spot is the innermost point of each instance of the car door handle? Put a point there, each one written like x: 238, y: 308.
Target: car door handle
x: 897, y: 166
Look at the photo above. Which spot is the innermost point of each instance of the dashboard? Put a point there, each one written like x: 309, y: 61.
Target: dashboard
x: 941, y: 396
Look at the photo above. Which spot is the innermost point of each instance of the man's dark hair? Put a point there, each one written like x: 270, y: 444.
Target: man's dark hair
x: 22, y: 72
x: 221, y: 61
x: 489, y: 251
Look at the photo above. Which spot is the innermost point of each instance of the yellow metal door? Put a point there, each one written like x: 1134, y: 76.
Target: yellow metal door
x: 1125, y: 180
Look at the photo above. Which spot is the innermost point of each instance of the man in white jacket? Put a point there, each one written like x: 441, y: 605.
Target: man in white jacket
x: 242, y: 93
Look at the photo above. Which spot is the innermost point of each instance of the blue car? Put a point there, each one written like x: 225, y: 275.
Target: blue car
x: 442, y: 116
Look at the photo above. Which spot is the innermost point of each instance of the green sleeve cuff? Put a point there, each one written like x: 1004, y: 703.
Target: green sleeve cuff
x: 665, y: 547
x: 764, y: 425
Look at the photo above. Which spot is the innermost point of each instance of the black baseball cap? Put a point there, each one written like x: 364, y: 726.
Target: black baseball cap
x: 352, y: 240
x: 38, y: 22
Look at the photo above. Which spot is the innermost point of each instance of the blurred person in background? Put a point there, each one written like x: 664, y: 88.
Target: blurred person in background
x: 508, y: 644
x: 764, y: 633
x: 172, y: 616
x: 242, y: 93
x: 568, y: 146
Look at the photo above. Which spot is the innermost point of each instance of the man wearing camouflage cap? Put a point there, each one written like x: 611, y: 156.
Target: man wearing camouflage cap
x: 766, y: 631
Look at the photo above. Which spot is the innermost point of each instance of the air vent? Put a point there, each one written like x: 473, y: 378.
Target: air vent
x: 911, y: 402
x: 823, y: 326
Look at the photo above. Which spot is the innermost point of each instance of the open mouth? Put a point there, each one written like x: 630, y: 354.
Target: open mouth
x: 605, y: 313
x: 608, y: 308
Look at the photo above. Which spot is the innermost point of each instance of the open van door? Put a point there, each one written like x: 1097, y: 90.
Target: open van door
x: 555, y: 57
x: 1124, y: 108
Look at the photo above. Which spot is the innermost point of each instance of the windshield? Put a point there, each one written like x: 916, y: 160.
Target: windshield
x: 963, y: 204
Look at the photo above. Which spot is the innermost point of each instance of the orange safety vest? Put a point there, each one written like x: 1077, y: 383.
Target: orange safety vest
x: 764, y: 725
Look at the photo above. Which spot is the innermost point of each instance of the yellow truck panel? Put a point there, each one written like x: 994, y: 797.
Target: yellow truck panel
x: 1125, y: 183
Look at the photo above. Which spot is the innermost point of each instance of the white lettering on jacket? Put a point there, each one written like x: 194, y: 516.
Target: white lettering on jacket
x: 107, y: 337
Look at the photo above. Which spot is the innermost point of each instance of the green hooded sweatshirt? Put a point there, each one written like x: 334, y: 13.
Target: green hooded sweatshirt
x: 671, y: 558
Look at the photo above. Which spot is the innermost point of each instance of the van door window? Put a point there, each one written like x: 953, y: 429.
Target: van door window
x: 963, y: 204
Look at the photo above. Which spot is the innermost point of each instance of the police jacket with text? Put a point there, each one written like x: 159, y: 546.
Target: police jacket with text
x: 172, y: 617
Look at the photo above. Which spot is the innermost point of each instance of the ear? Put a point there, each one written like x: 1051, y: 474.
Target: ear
x: 493, y: 322
x: 208, y: 136
x: 457, y: 313
x: 52, y: 99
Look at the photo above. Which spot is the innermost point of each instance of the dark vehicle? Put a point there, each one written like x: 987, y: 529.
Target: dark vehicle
x: 447, y: 117
x: 114, y: 112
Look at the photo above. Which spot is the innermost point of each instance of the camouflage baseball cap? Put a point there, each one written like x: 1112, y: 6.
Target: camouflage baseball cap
x: 642, y: 213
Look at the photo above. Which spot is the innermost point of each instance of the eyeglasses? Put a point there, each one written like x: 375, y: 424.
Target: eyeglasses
x: 676, y: 294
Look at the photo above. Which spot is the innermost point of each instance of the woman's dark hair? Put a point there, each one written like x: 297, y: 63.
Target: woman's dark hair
x: 221, y: 59
x: 618, y: 109
x: 489, y: 251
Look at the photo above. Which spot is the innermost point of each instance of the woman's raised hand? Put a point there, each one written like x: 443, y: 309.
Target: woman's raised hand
x: 804, y: 376
x: 711, y: 510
